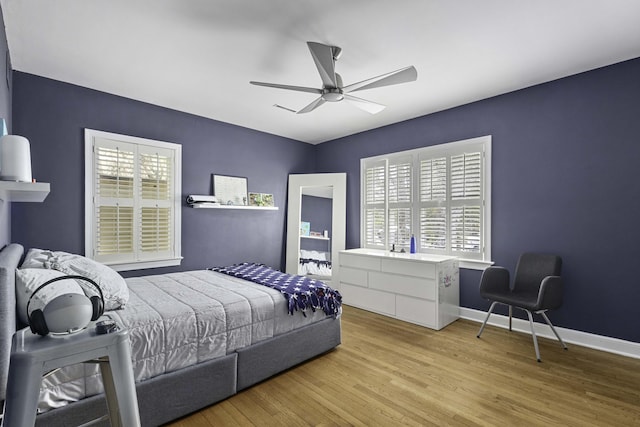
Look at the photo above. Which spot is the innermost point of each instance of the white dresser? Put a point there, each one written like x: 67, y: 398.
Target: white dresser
x: 418, y: 288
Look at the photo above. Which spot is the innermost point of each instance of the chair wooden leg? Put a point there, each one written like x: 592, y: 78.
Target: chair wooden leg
x: 533, y: 334
x: 546, y: 319
x: 493, y: 304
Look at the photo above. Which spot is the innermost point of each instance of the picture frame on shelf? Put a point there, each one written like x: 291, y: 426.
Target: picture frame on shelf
x: 261, y: 199
x: 305, y: 228
x: 230, y: 190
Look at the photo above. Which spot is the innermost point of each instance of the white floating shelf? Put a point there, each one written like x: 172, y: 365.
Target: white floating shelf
x: 315, y: 237
x: 11, y: 191
x: 256, y: 208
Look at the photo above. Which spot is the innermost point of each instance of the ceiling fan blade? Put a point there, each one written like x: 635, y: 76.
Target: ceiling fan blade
x: 315, y: 104
x: 284, y: 108
x: 404, y: 75
x: 325, y: 63
x: 288, y: 87
x: 363, y: 104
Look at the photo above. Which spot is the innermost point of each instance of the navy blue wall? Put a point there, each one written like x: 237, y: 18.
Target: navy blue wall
x: 53, y: 116
x: 565, y: 181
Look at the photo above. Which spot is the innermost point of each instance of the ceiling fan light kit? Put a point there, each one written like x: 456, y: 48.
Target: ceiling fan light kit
x: 333, y: 90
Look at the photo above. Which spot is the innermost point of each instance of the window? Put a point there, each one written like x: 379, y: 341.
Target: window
x: 132, y: 201
x: 440, y: 194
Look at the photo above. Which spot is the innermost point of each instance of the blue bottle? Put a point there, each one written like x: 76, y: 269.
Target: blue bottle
x: 412, y: 248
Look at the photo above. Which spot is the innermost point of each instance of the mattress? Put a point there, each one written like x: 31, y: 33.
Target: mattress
x: 181, y: 319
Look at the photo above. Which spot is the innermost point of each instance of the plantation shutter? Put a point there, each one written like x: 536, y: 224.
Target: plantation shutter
x: 466, y: 203
x: 114, y: 198
x: 400, y: 218
x: 466, y: 176
x: 375, y: 194
x: 155, y: 178
x: 433, y: 194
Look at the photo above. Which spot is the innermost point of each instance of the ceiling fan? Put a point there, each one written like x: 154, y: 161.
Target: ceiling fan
x: 333, y: 89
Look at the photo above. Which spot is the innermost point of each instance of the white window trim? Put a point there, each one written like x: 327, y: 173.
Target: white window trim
x: 89, y: 216
x: 432, y: 151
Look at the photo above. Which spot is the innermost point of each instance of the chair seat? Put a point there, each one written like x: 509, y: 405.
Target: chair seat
x: 527, y: 300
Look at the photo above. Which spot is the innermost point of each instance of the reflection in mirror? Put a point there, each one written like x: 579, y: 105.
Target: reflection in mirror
x: 316, y: 223
x: 316, y: 232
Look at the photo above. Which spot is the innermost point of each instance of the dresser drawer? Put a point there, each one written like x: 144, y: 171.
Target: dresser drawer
x: 405, y: 285
x: 353, y: 276
x: 362, y: 262
x: 369, y: 299
x: 416, y: 311
x: 409, y: 268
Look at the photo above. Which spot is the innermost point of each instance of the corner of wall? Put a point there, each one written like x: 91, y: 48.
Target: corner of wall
x: 5, y: 223
x: 6, y: 100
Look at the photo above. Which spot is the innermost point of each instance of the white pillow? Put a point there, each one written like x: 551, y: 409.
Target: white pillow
x: 36, y: 258
x: 113, y: 286
x: 29, y: 279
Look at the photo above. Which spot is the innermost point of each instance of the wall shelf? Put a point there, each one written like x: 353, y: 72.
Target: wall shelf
x: 11, y: 191
x: 257, y: 208
x: 315, y: 237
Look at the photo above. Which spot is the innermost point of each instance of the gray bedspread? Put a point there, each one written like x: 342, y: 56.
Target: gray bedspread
x: 180, y: 319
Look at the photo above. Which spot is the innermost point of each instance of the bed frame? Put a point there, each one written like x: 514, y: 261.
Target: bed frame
x: 176, y: 394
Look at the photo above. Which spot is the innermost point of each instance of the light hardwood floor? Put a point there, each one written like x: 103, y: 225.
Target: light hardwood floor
x: 391, y: 373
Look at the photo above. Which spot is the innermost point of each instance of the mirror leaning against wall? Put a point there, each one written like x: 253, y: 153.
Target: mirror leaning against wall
x: 316, y: 224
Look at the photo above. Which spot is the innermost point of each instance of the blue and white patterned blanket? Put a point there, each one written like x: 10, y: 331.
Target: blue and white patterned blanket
x: 301, y: 292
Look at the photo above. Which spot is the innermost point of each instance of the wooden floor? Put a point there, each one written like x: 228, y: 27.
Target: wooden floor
x: 392, y: 373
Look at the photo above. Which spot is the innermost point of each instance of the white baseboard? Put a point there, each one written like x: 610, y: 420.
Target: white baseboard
x: 598, y: 342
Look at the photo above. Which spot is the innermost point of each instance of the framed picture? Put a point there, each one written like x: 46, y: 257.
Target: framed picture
x: 261, y: 199
x: 305, y: 228
x: 230, y: 190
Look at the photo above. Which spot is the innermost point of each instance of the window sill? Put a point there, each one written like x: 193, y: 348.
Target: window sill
x: 474, y: 264
x: 140, y: 265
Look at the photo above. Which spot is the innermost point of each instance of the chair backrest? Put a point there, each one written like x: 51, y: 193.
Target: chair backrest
x: 532, y: 268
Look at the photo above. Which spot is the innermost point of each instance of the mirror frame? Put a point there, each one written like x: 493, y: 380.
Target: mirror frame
x: 338, y: 216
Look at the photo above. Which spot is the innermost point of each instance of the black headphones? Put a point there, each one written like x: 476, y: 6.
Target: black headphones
x: 37, y: 321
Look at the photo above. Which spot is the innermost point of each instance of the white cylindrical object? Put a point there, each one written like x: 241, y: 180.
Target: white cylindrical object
x: 15, y: 158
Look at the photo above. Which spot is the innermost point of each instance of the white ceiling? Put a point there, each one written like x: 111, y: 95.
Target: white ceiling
x: 198, y: 56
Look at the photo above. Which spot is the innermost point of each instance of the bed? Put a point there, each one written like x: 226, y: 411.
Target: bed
x: 197, y: 338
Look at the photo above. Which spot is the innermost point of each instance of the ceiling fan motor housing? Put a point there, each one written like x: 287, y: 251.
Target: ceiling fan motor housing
x: 332, y: 95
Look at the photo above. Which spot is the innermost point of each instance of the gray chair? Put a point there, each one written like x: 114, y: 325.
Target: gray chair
x: 537, y: 287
